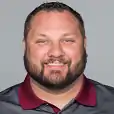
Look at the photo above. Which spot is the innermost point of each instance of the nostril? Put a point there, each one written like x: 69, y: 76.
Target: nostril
x: 56, y: 51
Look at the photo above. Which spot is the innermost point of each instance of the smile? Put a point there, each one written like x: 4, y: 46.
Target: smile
x: 55, y: 65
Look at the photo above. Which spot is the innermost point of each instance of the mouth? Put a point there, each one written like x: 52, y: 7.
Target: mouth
x: 55, y: 65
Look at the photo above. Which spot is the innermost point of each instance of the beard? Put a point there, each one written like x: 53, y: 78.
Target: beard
x: 55, y: 81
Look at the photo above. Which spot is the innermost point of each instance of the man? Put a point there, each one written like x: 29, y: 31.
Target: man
x: 55, y: 58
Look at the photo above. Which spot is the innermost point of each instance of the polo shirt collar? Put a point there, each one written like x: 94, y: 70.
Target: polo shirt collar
x: 87, y: 95
x: 28, y: 100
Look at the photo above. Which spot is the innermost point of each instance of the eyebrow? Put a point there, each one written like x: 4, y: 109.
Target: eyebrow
x: 65, y: 34
x: 69, y: 34
x: 43, y: 35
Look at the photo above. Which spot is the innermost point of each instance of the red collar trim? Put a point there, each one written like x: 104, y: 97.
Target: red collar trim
x: 28, y: 100
x: 87, y: 95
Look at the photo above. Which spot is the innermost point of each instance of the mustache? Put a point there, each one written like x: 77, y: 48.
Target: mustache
x: 59, y: 59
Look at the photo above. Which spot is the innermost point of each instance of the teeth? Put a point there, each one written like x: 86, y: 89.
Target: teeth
x: 55, y: 64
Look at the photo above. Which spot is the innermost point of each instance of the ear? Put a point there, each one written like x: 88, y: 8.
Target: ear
x: 24, y: 44
x: 85, y: 42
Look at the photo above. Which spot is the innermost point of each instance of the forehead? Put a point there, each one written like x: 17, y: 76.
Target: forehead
x: 54, y: 20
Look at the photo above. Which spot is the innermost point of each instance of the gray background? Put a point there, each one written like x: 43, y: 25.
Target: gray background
x: 99, y: 23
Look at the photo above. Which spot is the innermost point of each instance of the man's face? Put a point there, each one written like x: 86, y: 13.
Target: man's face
x: 55, y: 54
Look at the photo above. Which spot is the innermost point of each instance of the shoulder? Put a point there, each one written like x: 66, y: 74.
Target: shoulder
x: 102, y: 88
x: 9, y: 102
x: 10, y: 94
x: 104, y: 95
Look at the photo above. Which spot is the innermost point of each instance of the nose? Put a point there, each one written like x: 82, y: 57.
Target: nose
x: 56, y: 50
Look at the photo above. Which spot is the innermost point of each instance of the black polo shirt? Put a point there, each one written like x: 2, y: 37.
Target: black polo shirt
x: 94, y: 98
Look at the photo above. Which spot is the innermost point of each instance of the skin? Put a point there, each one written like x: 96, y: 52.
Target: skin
x: 55, y: 35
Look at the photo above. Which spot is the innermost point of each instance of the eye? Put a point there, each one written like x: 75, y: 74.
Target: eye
x: 41, y: 42
x: 68, y: 41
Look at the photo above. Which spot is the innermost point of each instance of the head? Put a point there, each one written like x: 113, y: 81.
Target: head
x: 55, y: 42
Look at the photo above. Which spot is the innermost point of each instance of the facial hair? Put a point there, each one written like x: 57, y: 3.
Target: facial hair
x: 59, y: 82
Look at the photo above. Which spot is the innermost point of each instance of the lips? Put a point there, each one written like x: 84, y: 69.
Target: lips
x: 55, y: 65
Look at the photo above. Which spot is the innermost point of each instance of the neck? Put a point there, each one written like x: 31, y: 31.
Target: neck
x: 58, y: 98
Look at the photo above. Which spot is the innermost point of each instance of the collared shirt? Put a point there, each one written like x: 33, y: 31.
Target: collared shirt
x: 94, y: 98
x: 28, y: 100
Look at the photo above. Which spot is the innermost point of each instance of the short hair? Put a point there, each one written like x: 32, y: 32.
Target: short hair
x: 53, y: 6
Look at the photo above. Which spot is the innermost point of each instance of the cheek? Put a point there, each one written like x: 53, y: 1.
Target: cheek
x: 73, y: 53
x: 37, y: 54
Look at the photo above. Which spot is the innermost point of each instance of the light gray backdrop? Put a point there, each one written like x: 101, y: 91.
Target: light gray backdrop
x: 99, y: 23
